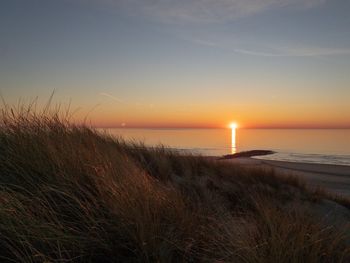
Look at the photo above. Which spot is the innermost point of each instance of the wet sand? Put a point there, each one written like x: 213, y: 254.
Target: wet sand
x: 334, y: 178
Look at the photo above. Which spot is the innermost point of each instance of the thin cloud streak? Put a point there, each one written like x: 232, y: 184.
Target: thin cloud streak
x: 317, y: 51
x: 145, y: 105
x: 111, y: 97
x: 204, y: 11
x: 297, y: 51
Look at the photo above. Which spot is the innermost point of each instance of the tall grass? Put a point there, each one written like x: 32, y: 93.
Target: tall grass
x: 71, y: 194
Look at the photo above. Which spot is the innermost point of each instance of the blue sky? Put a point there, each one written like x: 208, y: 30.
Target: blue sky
x: 170, y: 63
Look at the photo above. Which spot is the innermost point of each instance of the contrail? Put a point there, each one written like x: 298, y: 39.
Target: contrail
x: 111, y: 97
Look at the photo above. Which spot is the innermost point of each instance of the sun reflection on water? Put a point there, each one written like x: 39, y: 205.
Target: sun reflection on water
x: 233, y: 139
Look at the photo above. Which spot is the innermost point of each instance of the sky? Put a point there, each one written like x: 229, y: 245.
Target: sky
x: 181, y: 63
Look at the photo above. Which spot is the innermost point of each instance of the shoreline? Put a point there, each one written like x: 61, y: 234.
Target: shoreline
x: 262, y: 153
x: 321, y: 168
x: 333, y: 178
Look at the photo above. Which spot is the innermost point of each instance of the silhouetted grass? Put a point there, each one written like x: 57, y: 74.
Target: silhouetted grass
x: 71, y: 194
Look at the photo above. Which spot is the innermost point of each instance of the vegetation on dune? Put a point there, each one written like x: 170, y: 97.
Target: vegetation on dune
x: 70, y: 194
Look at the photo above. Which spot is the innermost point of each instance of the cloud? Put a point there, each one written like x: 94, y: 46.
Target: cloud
x: 316, y: 51
x: 271, y: 50
x: 199, y: 11
x: 297, y: 52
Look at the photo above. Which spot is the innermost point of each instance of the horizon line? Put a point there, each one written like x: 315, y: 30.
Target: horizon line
x: 211, y: 127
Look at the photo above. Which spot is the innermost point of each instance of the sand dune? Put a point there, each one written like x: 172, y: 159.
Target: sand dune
x: 334, y: 178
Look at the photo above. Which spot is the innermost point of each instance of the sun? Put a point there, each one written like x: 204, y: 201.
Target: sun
x: 233, y: 125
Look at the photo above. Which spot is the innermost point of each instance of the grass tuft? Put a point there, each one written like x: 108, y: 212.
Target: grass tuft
x: 71, y: 194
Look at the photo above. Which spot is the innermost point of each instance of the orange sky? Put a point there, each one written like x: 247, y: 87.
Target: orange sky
x: 171, y: 64
x: 217, y: 116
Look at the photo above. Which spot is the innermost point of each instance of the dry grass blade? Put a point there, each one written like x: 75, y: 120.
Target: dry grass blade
x: 71, y: 194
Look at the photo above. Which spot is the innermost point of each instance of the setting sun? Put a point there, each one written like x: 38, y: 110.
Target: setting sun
x: 233, y: 125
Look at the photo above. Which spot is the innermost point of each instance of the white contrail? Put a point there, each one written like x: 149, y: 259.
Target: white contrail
x: 111, y: 97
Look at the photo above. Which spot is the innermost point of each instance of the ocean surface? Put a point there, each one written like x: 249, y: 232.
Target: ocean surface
x: 294, y: 145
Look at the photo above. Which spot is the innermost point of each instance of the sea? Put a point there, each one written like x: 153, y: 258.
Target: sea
x: 325, y: 146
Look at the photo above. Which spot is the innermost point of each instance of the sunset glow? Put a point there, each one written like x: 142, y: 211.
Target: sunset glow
x: 233, y: 125
x: 180, y: 66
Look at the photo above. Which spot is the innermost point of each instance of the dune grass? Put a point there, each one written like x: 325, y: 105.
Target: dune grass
x: 71, y: 194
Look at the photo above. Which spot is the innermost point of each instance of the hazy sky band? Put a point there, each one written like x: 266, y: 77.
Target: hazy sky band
x: 194, y: 63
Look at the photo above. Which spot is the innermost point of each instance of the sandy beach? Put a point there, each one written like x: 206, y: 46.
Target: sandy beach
x: 334, y: 178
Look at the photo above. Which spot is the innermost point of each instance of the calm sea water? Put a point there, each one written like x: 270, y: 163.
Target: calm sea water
x: 312, y: 146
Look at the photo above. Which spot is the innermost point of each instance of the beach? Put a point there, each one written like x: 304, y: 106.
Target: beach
x: 333, y: 178
x: 99, y: 198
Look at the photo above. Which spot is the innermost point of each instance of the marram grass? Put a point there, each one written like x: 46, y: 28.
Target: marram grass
x: 70, y: 194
